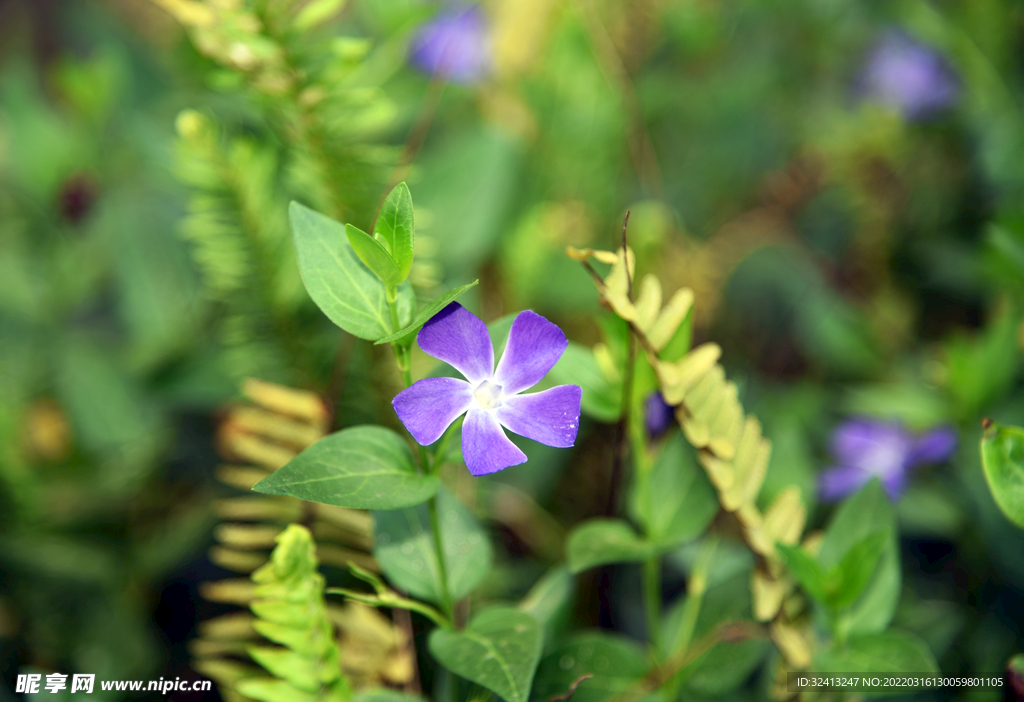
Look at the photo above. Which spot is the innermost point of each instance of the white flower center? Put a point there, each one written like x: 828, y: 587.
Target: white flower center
x: 884, y: 459
x: 488, y: 395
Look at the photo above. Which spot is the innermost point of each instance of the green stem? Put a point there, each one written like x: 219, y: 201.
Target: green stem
x: 442, y: 448
x: 394, y: 601
x: 652, y: 600
x: 435, y: 526
x: 696, y: 587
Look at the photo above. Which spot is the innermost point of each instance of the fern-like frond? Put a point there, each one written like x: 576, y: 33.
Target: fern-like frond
x: 259, y: 438
x: 730, y: 444
x: 290, y: 611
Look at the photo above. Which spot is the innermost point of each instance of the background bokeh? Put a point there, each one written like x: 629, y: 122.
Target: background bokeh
x: 839, y: 182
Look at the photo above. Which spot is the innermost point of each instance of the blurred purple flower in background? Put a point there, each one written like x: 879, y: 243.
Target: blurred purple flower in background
x: 866, y: 448
x: 658, y: 415
x: 908, y: 76
x: 454, y: 44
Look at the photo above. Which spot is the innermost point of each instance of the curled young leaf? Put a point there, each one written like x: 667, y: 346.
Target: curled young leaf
x: 1002, y: 455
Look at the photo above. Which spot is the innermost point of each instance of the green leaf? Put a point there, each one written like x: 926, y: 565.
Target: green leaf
x: 677, y: 502
x: 107, y: 410
x: 848, y: 579
x: 340, y: 285
x: 550, y: 601
x: 979, y: 370
x: 372, y: 252
x: 404, y: 335
x: 614, y: 664
x: 499, y: 650
x: 1002, y: 455
x: 396, y: 228
x: 857, y: 518
x: 600, y: 541
x: 364, y: 467
x: 893, y: 652
x: 300, y: 671
x: 602, y: 399
x: 805, y: 569
x: 403, y: 544
x: 549, y: 595
x: 316, y: 12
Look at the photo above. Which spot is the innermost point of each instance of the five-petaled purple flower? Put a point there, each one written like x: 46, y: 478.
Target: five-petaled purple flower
x: 454, y: 44
x: 490, y: 397
x: 909, y: 77
x: 866, y: 448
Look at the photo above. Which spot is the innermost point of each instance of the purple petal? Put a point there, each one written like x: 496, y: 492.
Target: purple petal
x: 453, y: 44
x: 878, y: 447
x: 458, y: 337
x: 895, y: 484
x: 485, y: 447
x: 551, y: 417
x: 909, y: 77
x: 934, y: 447
x: 534, y: 347
x: 429, y: 406
x: 836, y: 483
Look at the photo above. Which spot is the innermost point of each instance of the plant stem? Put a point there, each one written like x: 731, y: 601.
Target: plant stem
x: 435, y: 526
x: 697, y: 585
x: 652, y: 600
x: 442, y: 448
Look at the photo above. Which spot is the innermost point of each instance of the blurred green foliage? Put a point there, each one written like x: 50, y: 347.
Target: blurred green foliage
x: 849, y: 259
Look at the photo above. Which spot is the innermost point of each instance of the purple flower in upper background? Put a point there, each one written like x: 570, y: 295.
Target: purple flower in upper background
x: 867, y: 448
x: 658, y: 415
x: 908, y: 76
x: 490, y: 397
x: 454, y: 44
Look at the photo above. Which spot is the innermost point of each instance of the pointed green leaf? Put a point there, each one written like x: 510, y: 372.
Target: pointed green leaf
x: 845, y: 581
x: 868, y: 511
x: 341, y: 286
x: 1002, y: 455
x: 601, y: 541
x: 396, y: 228
x: 372, y: 252
x: 364, y: 467
x: 805, y: 569
x: 403, y: 544
x: 405, y: 335
x: 499, y: 650
x: 677, y: 502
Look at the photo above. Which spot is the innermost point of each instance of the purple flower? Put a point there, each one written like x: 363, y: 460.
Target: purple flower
x: 490, y: 397
x: 658, y: 415
x: 909, y: 77
x: 866, y: 448
x: 454, y: 44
